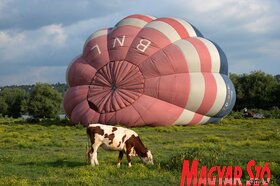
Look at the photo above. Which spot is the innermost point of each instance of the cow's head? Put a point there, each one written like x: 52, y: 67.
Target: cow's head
x: 148, y: 158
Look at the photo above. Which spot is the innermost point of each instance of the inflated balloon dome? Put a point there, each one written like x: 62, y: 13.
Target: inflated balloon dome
x: 149, y: 71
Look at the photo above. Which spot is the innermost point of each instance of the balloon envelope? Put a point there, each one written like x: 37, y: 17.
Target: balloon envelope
x: 149, y: 71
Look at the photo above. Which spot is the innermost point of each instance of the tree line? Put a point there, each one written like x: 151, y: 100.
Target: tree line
x: 40, y: 101
x: 256, y: 90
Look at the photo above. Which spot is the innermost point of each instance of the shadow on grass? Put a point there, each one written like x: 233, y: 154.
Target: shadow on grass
x: 57, y: 163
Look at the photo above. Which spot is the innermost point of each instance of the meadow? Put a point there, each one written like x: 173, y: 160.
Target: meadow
x: 53, y: 153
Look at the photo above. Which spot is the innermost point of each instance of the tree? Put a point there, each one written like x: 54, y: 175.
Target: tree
x: 3, y: 106
x: 278, y: 78
x: 44, y: 101
x: 13, y: 102
x: 256, y: 90
x: 278, y: 90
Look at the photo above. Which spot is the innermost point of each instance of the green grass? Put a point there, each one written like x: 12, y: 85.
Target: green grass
x: 42, y: 154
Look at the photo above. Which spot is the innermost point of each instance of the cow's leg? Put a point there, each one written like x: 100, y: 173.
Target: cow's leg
x: 94, y: 158
x: 90, y: 154
x: 128, y: 156
x: 93, y: 154
x: 120, y: 158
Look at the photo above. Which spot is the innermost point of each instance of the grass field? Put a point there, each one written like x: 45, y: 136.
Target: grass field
x: 42, y: 154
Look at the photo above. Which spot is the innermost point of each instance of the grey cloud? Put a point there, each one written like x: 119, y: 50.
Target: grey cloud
x: 44, y: 36
x: 18, y: 75
x: 33, y: 14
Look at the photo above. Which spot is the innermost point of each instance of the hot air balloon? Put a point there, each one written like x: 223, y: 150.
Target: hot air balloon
x: 149, y: 71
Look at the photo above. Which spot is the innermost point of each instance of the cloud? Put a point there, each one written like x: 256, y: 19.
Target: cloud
x: 7, y: 38
x: 21, y: 47
x: 248, y: 16
x: 261, y: 25
x: 3, y: 5
x: 18, y: 75
x: 33, y: 14
x: 37, y: 36
x: 56, y: 32
x: 267, y: 49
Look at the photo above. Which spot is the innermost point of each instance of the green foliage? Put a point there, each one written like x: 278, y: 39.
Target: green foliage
x: 45, y: 154
x: 256, y: 90
x: 49, y: 121
x: 60, y: 87
x: 44, y: 101
x: 209, y: 156
x: 235, y: 115
x: 13, y: 102
x: 3, y: 106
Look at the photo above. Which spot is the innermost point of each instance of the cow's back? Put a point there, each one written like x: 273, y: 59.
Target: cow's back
x: 111, y: 137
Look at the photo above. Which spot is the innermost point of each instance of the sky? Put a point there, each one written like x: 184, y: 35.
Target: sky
x: 39, y: 38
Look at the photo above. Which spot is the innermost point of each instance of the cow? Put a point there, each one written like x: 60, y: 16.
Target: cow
x: 116, y: 138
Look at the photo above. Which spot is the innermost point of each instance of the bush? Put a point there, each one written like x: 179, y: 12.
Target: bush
x: 235, y: 115
x: 44, y: 101
x: 13, y: 102
x: 209, y: 156
x: 273, y: 113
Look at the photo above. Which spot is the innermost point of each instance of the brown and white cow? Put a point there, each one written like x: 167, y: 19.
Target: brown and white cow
x: 119, y: 139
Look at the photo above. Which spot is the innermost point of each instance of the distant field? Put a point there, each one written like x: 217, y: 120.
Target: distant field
x: 40, y: 154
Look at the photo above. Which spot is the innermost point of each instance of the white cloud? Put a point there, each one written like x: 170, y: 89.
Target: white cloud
x: 202, y: 6
x: 56, y: 33
x: 7, y: 38
x: 10, y: 45
x: 254, y: 16
x: 261, y: 25
x: 18, y: 45
x: 236, y: 9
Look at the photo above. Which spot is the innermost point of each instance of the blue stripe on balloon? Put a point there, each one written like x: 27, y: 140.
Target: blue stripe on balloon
x: 223, y: 58
x: 230, y: 98
x: 214, y: 120
x: 198, y: 33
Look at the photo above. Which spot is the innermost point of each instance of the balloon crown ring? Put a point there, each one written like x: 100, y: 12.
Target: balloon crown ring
x: 119, y: 83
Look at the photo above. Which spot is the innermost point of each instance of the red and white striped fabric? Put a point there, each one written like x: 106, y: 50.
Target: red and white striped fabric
x: 149, y: 71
